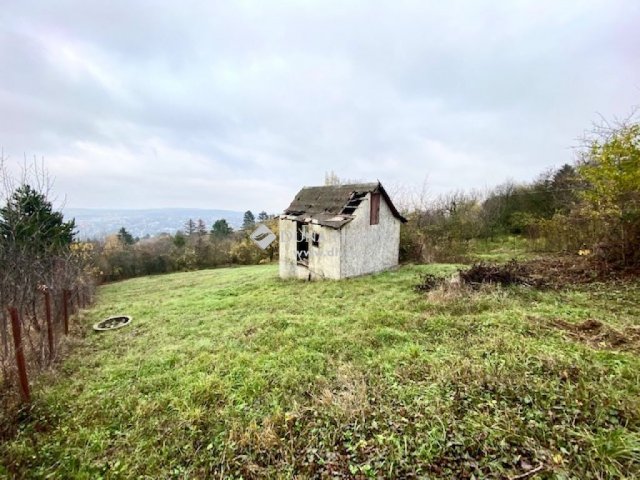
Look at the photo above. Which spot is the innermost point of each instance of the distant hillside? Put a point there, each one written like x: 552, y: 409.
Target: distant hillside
x: 98, y: 223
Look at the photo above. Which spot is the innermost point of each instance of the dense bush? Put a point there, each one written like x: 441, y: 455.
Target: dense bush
x: 443, y: 229
x: 611, y: 169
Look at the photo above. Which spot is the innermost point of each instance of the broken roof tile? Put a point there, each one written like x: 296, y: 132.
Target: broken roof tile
x: 325, y: 204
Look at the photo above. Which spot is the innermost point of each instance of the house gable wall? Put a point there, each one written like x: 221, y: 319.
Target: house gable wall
x: 369, y: 248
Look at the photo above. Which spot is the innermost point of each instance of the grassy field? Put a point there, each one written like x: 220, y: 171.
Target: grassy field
x: 233, y: 373
x: 500, y: 249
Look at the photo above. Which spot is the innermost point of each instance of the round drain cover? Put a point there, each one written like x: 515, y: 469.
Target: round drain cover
x: 112, y: 323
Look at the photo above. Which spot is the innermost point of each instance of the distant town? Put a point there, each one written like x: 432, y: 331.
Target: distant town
x: 98, y: 223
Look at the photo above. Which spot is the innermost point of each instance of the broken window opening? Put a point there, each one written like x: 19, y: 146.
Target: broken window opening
x: 315, y: 239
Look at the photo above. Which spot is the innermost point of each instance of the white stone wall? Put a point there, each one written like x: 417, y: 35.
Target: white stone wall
x: 324, y: 260
x: 370, y: 248
x: 287, y: 250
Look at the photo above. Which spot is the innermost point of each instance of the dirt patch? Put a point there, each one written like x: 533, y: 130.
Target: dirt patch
x: 599, y: 335
x: 250, y: 331
x: 559, y: 271
x: 547, y: 272
x: 510, y: 273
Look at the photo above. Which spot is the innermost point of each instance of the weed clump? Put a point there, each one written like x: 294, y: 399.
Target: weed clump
x: 481, y: 273
x: 428, y: 282
x: 510, y: 273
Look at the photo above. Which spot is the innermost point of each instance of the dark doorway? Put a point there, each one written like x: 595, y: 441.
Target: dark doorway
x: 302, y: 243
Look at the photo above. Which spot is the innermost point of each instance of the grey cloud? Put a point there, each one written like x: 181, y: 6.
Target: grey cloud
x: 236, y: 104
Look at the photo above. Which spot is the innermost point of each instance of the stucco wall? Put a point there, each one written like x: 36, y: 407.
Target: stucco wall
x: 324, y: 260
x: 370, y: 248
x: 287, y: 250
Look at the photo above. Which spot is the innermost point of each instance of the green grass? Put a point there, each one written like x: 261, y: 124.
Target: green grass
x: 234, y: 373
x: 500, y: 249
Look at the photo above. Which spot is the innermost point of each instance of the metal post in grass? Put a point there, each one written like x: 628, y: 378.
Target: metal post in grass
x: 77, y: 302
x: 72, y: 301
x: 65, y: 310
x: 47, y: 310
x: 20, y: 362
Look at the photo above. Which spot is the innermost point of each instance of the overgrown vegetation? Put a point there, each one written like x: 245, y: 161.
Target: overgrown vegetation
x: 592, y: 207
x: 38, y: 258
x: 479, y: 274
x: 234, y: 373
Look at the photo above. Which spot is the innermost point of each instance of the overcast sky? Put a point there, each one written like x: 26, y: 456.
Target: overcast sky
x: 236, y: 105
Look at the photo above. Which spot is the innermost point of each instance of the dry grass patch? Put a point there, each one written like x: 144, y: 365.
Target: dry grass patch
x: 598, y: 334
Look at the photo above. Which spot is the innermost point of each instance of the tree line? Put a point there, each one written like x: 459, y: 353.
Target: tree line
x: 195, y: 246
x: 590, y: 206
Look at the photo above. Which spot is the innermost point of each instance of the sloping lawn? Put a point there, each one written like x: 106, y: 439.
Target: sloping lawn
x: 234, y: 373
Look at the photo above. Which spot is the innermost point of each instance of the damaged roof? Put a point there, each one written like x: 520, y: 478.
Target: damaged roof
x: 334, y: 205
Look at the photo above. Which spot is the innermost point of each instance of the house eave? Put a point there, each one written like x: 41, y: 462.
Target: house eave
x: 331, y: 221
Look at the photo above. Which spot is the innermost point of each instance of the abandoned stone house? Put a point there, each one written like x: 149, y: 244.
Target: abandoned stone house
x: 339, y: 231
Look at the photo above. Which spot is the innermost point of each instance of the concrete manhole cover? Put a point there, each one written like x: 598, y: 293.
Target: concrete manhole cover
x: 112, y: 323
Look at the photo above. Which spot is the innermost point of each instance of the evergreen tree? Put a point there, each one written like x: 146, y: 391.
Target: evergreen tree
x: 263, y: 216
x: 221, y: 229
x: 179, y: 240
x: 125, y: 237
x: 28, y: 221
x: 248, y: 221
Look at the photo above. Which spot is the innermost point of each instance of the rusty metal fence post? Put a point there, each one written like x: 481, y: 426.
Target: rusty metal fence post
x: 47, y: 308
x: 65, y: 310
x: 20, y: 362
